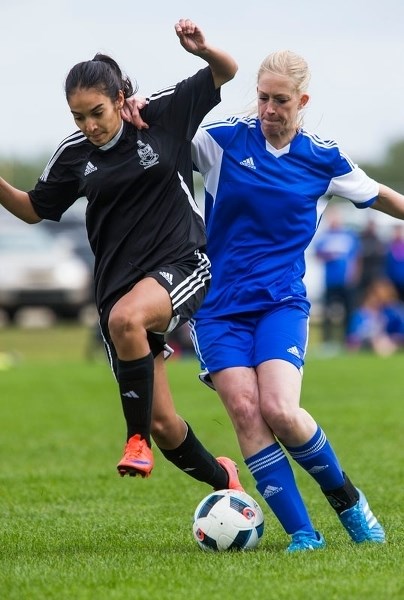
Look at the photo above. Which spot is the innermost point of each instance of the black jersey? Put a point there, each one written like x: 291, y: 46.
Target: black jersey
x: 141, y: 212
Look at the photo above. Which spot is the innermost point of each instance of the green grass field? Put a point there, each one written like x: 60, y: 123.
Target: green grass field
x: 72, y: 529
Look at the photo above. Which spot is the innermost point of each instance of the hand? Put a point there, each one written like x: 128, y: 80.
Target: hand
x: 130, y: 112
x: 190, y: 36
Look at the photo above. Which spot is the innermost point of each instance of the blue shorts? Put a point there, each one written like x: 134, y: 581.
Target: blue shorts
x: 249, y: 340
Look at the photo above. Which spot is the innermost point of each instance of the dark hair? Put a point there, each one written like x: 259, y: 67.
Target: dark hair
x: 102, y: 73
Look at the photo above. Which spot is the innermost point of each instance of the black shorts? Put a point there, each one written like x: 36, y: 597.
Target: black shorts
x: 187, y: 283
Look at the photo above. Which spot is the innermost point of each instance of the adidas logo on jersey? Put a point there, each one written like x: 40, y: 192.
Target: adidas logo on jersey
x: 167, y: 276
x: 89, y: 169
x: 293, y: 350
x: 248, y: 162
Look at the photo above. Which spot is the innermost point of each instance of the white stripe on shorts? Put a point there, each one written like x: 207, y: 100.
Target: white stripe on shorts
x: 192, y: 283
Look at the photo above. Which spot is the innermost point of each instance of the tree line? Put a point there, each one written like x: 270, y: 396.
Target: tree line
x: 23, y: 173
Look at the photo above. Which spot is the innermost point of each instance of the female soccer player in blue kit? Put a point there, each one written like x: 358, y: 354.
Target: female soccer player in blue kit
x: 146, y: 232
x: 264, y: 177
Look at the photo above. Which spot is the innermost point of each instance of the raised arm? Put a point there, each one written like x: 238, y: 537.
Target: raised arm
x: 17, y: 202
x: 222, y: 65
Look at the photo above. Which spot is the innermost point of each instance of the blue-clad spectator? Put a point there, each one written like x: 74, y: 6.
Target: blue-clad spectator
x: 339, y: 248
x: 395, y: 260
x: 377, y: 325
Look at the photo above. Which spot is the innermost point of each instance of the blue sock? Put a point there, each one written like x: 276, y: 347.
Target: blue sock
x: 318, y: 458
x: 276, y: 484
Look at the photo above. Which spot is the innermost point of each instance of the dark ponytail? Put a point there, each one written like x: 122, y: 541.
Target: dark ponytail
x: 102, y: 73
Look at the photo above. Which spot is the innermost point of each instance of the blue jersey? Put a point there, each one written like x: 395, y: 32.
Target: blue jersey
x: 262, y: 208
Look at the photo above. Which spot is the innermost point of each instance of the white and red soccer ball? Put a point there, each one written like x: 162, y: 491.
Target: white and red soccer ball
x: 228, y: 520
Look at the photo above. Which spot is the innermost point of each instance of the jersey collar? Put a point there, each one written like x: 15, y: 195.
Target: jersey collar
x: 277, y: 151
x: 114, y: 140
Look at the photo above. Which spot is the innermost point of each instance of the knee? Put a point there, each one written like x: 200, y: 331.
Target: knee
x: 244, y: 409
x: 280, y: 418
x: 168, y: 431
x: 159, y: 427
x: 122, y: 322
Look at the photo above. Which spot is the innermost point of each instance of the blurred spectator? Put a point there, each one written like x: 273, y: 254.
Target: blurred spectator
x: 338, y: 247
x: 395, y: 259
x: 378, y: 323
x: 392, y: 308
x: 373, y: 255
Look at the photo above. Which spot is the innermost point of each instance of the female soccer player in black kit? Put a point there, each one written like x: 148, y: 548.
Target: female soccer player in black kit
x: 148, y: 237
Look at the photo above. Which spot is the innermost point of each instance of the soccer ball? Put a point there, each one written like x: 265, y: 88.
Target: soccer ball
x: 228, y: 520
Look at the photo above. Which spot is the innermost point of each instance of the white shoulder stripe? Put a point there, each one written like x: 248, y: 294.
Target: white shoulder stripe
x: 161, y: 93
x: 216, y: 124
x: 349, y: 161
x: 251, y: 123
x: 328, y: 144
x: 318, y: 141
x: 75, y: 138
x: 77, y: 135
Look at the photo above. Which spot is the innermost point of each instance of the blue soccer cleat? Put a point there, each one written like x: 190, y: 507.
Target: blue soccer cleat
x: 306, y: 540
x: 361, y: 524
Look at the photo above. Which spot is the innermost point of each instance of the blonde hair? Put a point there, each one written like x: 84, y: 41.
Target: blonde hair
x: 293, y: 66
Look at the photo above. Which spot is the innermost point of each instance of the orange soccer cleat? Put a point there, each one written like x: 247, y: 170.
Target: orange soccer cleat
x: 137, y: 459
x: 232, y: 471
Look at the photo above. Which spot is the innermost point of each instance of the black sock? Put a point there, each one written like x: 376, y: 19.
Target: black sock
x: 343, y: 497
x: 192, y: 458
x: 135, y: 379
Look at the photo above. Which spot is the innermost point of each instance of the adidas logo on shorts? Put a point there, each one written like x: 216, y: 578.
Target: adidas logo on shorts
x: 167, y: 276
